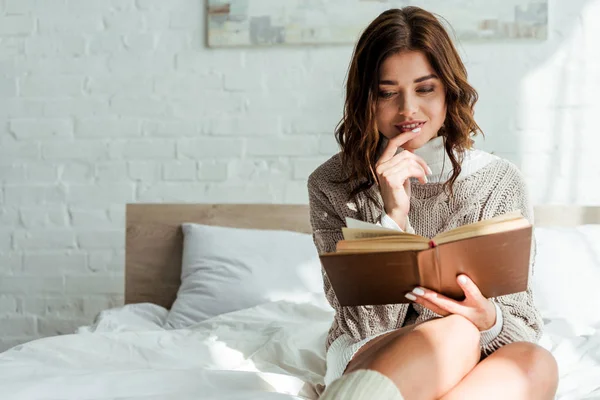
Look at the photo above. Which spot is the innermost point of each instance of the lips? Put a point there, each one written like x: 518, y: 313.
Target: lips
x: 409, y: 126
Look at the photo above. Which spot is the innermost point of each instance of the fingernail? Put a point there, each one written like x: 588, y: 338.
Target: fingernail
x: 410, y: 296
x: 426, y: 180
x: 429, y: 171
x: 462, y: 279
x: 418, y: 291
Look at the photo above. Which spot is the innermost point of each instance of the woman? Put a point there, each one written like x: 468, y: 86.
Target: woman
x: 407, y: 163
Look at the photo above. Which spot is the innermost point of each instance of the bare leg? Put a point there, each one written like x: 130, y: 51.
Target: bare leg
x: 425, y: 361
x: 516, y: 371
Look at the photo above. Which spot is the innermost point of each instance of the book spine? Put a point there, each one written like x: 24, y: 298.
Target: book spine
x: 429, y: 271
x: 438, y: 267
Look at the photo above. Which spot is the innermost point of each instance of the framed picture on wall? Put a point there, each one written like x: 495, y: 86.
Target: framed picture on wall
x: 309, y: 22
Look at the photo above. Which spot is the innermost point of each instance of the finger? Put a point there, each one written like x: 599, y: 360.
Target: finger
x: 402, y: 165
x: 427, y: 304
x: 409, y: 154
x: 398, y: 158
x: 407, y: 187
x: 397, y: 177
x: 412, y: 171
x: 423, y: 164
x: 441, y: 301
x: 470, y: 288
x: 387, y: 171
x: 395, y: 142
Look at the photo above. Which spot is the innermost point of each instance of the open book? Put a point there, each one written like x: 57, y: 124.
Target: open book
x: 375, y: 265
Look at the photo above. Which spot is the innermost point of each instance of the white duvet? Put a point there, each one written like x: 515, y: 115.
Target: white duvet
x: 272, y: 351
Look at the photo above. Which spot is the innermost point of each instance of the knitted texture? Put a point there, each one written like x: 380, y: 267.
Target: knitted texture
x: 362, y: 385
x: 493, y: 190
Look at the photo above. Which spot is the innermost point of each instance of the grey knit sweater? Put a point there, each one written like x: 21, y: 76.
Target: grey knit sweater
x: 493, y: 190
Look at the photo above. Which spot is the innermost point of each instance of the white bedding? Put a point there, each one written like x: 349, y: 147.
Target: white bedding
x: 271, y: 351
x: 577, y: 351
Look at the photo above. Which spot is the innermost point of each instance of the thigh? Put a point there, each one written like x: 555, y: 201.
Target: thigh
x: 425, y: 360
x: 365, y: 353
x: 515, y: 371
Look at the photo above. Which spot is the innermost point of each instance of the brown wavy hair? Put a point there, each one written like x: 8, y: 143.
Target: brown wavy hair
x: 394, y: 31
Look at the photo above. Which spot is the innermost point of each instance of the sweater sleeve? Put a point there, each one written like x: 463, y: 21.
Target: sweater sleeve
x: 521, y: 319
x: 327, y: 231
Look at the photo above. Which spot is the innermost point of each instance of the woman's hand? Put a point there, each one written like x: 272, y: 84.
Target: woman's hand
x: 393, y: 173
x: 476, y: 308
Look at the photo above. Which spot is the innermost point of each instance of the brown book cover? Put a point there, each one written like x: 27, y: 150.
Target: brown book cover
x: 498, y: 263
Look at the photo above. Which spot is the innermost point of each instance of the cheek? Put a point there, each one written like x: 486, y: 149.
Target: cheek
x: 437, y: 110
x: 385, y: 114
x: 385, y: 118
x: 443, y: 107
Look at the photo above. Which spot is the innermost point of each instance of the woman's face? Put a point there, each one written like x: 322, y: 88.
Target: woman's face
x: 410, y: 93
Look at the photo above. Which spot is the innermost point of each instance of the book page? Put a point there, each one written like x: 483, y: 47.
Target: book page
x: 502, y: 223
x: 357, y: 229
x: 358, y: 224
x: 366, y: 246
x: 360, y: 233
x: 399, y: 238
x: 371, y: 240
x: 371, y: 237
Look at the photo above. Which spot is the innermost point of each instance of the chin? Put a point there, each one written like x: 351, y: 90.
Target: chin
x: 415, y: 143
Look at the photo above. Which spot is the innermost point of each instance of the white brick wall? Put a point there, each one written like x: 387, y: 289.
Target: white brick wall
x: 104, y: 102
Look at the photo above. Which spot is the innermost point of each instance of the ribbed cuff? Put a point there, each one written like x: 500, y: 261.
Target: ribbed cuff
x: 409, y: 228
x: 514, y: 329
x: 338, y: 358
x: 388, y: 222
x: 363, y: 384
x: 489, y: 335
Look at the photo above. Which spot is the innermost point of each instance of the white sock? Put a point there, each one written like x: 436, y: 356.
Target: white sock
x: 363, y: 384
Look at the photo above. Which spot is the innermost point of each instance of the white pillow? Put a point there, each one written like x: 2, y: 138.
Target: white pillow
x: 228, y: 269
x: 566, y: 281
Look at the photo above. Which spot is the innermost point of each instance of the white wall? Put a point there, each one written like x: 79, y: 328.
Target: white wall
x: 106, y: 102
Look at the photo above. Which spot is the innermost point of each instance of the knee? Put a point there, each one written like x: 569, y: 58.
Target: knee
x: 465, y: 333
x: 460, y: 327
x: 538, y: 365
x: 542, y: 364
x: 455, y: 331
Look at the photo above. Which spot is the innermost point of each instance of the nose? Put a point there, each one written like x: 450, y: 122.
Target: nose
x: 408, y: 105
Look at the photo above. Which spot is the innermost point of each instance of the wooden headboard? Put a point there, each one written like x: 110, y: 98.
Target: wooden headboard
x: 154, y: 240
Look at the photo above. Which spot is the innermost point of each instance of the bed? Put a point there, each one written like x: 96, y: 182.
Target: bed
x: 272, y: 349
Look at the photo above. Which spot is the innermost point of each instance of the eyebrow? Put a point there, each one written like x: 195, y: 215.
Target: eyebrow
x: 421, y: 79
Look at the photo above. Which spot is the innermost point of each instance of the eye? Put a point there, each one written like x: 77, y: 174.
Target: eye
x: 386, y: 95
x: 427, y: 89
